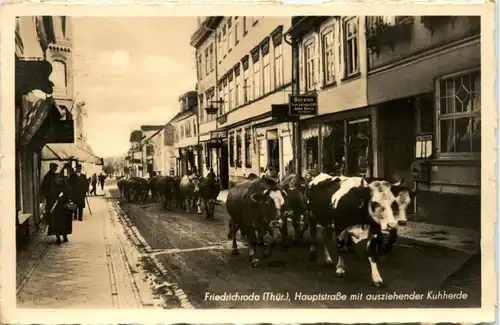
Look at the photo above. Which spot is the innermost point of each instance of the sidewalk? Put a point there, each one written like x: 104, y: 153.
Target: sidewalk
x: 95, y: 269
x: 465, y: 240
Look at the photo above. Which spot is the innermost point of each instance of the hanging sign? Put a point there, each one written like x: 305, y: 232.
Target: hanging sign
x: 303, y: 104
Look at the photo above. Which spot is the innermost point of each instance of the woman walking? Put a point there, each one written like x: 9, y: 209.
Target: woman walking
x: 60, y: 221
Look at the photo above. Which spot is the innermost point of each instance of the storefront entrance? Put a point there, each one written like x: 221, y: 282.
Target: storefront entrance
x: 224, y: 166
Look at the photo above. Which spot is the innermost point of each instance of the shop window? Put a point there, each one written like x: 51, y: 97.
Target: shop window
x: 459, y: 113
x: 238, y: 161
x: 248, y: 153
x: 351, y: 54
x: 231, y: 150
x: 333, y: 151
x: 310, y: 145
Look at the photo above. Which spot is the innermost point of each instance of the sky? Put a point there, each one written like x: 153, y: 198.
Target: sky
x: 130, y: 72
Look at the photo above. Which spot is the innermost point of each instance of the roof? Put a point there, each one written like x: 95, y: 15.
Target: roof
x: 135, y: 136
x: 202, y: 33
x: 146, y: 128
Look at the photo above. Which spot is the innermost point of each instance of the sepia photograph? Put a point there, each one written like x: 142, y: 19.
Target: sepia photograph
x: 249, y: 162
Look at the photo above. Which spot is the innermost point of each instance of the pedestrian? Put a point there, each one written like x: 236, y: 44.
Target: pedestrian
x: 79, y: 186
x: 48, y: 186
x: 59, y: 217
x: 93, y: 182
x: 102, y: 178
x: 211, y: 173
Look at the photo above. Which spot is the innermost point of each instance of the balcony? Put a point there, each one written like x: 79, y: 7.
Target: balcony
x: 387, y: 31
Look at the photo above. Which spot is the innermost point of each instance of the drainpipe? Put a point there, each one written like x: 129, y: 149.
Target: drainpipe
x: 297, y: 153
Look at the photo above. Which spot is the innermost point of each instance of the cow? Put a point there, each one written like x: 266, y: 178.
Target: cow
x: 165, y: 187
x: 190, y: 192
x: 403, y: 197
x: 121, y: 186
x: 209, y: 191
x: 252, y: 176
x: 295, y: 188
x: 152, y: 186
x: 356, y: 210
x: 136, y: 189
x: 255, y: 208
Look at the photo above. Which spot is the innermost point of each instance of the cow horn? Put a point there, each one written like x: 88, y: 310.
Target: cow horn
x: 253, y: 197
x: 399, y: 183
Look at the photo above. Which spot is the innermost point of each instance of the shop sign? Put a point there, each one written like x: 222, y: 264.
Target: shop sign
x: 218, y: 135
x: 303, y: 104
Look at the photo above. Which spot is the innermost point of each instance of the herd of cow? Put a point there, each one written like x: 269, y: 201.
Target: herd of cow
x: 354, y: 208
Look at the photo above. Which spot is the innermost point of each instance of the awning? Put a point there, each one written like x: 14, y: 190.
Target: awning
x: 68, y: 151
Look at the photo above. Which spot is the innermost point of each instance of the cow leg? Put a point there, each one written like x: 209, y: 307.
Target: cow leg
x: 341, y: 238
x: 313, y: 233
x: 232, y: 232
x: 252, y: 247
x: 327, y: 233
x: 393, y: 236
x: 305, y: 227
x: 284, y: 231
x: 187, y: 204
x: 198, y: 205
x: 373, y: 247
x: 212, y: 209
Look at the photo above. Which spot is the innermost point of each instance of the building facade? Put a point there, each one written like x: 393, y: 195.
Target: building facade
x: 151, y: 149
x: 398, y: 97
x: 40, y: 105
x: 187, y: 151
x: 249, y: 76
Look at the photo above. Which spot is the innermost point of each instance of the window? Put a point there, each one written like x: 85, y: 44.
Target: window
x: 310, y: 63
x: 224, y: 40
x: 202, y: 109
x: 230, y: 105
x: 58, y: 75
x: 245, y: 30
x: 237, y: 87
x: 182, y: 131
x: 194, y: 127
x: 238, y: 149
x: 207, y: 62
x: 328, y: 58
x: 231, y: 150
x: 459, y: 113
x: 246, y: 81
x: 248, y: 154
x: 278, y: 65
x: 219, y: 46
x: 256, y: 74
x: 187, y: 129
x: 266, y: 70
x: 210, y: 98
x: 200, y: 68
x: 236, y: 32
x: 351, y: 47
x: 212, y: 57
x: 226, y: 98
x: 229, y: 35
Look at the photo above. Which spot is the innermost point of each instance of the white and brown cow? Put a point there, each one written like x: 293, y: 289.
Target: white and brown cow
x: 354, y: 209
x: 189, y: 188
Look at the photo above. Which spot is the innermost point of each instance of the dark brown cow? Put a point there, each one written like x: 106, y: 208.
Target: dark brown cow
x: 295, y: 188
x: 165, y: 187
x: 255, y: 208
x: 209, y: 191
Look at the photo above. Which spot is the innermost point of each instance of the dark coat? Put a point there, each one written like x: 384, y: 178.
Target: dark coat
x: 79, y: 186
x: 60, y: 221
x: 48, y: 188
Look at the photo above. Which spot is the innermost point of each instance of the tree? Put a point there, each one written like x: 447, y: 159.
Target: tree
x: 114, y: 165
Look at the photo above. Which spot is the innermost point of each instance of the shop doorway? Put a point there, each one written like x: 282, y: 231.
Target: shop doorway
x: 224, y: 166
x: 359, y: 162
x: 273, y: 157
x: 397, y: 119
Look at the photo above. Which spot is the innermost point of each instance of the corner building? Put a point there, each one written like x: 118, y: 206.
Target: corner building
x: 243, y: 69
x: 398, y: 97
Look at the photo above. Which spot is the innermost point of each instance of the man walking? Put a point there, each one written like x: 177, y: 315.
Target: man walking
x: 79, y: 185
x: 102, y: 178
x: 93, y: 181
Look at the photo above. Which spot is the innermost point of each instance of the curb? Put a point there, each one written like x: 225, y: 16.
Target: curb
x: 157, y: 283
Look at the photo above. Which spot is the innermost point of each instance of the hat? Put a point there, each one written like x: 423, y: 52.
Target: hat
x: 51, y: 165
x: 78, y: 166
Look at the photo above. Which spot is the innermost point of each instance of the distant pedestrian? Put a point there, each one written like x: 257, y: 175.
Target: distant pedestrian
x: 93, y: 182
x: 59, y: 217
x: 211, y: 173
x: 48, y: 187
x: 79, y: 185
x: 102, y: 178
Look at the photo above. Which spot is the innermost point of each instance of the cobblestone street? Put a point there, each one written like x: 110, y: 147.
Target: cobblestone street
x: 97, y: 268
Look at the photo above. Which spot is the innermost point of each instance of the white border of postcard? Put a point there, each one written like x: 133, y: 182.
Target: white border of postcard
x: 9, y: 313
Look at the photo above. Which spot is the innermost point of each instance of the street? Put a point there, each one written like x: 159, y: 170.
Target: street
x: 197, y: 254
